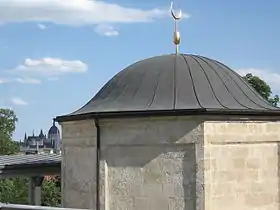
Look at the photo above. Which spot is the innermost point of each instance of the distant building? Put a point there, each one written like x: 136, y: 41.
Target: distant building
x: 42, y: 143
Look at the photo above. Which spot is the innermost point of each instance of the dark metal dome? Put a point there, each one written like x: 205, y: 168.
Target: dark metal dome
x: 175, y: 84
x: 53, y: 130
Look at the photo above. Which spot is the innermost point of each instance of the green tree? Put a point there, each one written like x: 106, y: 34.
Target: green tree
x: 11, y: 190
x: 50, y: 194
x: 14, y: 191
x: 262, y: 88
x: 8, y: 121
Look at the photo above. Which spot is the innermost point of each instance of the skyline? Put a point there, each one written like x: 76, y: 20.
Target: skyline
x: 55, y: 55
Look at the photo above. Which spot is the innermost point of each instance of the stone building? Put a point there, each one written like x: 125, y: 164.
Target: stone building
x: 41, y: 142
x: 176, y: 131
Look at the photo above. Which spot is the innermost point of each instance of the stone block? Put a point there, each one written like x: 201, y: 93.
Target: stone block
x: 79, y: 133
x: 78, y: 177
x: 247, y: 163
x: 259, y: 200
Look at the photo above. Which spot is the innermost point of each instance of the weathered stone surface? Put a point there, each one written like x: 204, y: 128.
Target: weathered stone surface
x: 172, y: 163
x: 79, y: 165
x: 242, y: 165
x: 152, y: 163
x: 79, y: 133
x: 151, y: 131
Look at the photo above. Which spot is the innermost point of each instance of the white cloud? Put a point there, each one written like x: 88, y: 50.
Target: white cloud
x: 53, y: 79
x: 74, y: 12
x: 27, y: 80
x: 272, y: 78
x: 41, y: 26
x: 19, y: 101
x: 106, y: 30
x: 49, y: 67
x: 4, y: 80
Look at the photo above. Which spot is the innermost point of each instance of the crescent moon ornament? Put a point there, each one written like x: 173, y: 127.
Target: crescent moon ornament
x: 174, y: 15
x: 176, y: 36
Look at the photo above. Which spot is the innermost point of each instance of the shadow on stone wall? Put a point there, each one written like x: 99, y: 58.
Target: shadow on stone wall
x: 190, y: 177
x: 162, y: 160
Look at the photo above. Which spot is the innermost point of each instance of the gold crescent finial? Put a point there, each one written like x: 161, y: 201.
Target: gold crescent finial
x: 176, y: 17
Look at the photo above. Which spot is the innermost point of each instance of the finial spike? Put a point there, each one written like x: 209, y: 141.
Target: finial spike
x: 176, y: 17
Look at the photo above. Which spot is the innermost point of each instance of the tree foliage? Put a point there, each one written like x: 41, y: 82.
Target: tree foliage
x: 8, y: 121
x: 262, y: 88
x: 51, y: 193
x: 16, y: 190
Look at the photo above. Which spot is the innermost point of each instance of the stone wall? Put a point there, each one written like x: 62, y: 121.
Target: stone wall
x: 151, y: 164
x: 241, y: 165
x: 172, y: 163
x: 78, y: 169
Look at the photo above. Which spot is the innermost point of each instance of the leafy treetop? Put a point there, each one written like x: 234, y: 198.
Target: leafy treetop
x: 8, y: 121
x: 262, y: 88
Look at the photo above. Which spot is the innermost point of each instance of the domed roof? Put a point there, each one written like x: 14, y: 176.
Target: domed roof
x: 53, y: 129
x: 175, y: 84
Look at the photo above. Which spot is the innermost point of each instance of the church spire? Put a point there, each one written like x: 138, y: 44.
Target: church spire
x: 41, y: 135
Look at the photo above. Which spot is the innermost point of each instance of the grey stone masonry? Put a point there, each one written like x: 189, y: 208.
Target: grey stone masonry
x: 147, y: 163
x: 78, y: 164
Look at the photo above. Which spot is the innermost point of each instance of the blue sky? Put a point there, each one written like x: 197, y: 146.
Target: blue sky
x: 56, y: 54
